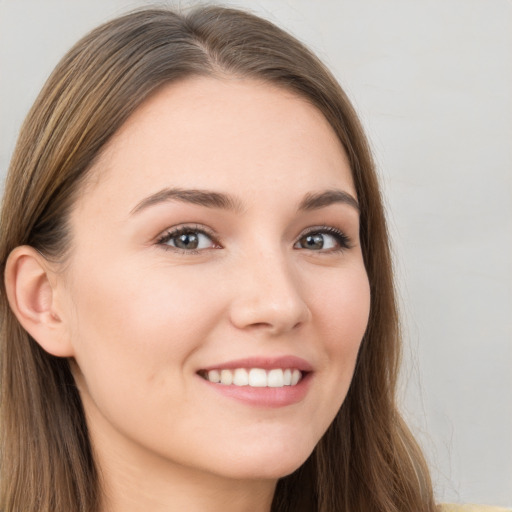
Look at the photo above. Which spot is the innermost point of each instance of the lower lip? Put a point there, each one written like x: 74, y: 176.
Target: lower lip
x: 264, y: 397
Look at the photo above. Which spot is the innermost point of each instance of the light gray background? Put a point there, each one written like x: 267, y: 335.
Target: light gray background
x: 432, y: 81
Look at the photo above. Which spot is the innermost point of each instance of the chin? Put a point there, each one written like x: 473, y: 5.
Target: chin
x: 265, y: 465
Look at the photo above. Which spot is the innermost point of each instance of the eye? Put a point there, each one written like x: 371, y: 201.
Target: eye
x: 326, y: 239
x: 187, y: 239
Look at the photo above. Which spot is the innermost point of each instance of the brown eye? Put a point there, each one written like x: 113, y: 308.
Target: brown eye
x: 326, y: 239
x: 313, y: 242
x: 187, y: 240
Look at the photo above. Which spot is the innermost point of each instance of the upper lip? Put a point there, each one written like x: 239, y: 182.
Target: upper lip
x: 265, y: 363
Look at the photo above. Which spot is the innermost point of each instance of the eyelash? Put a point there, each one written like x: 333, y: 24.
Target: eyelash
x: 341, y: 238
x: 183, y: 230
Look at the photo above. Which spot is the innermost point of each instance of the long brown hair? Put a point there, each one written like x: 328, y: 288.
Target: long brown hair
x: 367, y: 461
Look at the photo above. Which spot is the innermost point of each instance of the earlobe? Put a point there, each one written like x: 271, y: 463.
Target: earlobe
x: 32, y: 298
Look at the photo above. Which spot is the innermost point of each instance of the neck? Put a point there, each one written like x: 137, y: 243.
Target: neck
x: 135, y: 482
x: 138, y: 491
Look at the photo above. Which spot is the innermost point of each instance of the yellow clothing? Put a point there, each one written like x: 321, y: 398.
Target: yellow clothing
x: 472, y: 508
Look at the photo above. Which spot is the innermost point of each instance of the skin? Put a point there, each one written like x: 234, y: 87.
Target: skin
x: 142, y: 317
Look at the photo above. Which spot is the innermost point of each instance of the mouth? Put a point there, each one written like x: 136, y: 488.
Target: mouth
x: 254, y: 377
x: 261, y: 381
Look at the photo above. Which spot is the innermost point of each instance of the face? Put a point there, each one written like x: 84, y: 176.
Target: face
x: 216, y: 239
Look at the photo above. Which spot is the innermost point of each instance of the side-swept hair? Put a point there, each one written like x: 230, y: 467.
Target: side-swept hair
x: 367, y: 461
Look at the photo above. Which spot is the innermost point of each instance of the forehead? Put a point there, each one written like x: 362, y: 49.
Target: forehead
x: 222, y: 133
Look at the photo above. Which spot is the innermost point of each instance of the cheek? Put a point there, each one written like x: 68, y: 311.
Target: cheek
x: 341, y: 312
x: 135, y: 334
x: 132, y: 302
x: 131, y: 324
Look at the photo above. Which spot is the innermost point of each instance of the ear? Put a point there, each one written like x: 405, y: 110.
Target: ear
x: 32, y: 298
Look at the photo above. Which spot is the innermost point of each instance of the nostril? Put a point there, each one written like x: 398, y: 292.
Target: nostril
x: 260, y: 325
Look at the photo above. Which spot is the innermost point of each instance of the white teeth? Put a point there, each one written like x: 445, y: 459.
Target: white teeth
x: 214, y: 376
x: 275, y: 379
x: 241, y: 377
x: 226, y: 377
x: 255, y: 377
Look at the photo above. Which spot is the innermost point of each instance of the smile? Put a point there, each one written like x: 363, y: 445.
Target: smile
x: 254, y: 377
x: 260, y: 381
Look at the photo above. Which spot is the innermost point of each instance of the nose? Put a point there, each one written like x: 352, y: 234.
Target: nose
x: 269, y: 296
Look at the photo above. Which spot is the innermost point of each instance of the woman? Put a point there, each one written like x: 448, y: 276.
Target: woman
x: 198, y: 307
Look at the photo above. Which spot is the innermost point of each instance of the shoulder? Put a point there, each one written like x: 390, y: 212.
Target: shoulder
x: 471, y: 508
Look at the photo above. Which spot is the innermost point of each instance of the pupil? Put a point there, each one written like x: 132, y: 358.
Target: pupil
x: 187, y: 241
x: 315, y: 241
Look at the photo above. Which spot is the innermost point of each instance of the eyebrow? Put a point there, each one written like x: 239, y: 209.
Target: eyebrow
x: 314, y: 201
x: 205, y: 198
x: 210, y: 199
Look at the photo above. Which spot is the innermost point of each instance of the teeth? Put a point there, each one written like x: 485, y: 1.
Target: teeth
x: 241, y: 377
x: 255, y: 377
x: 275, y: 379
x: 214, y: 376
x: 226, y: 377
